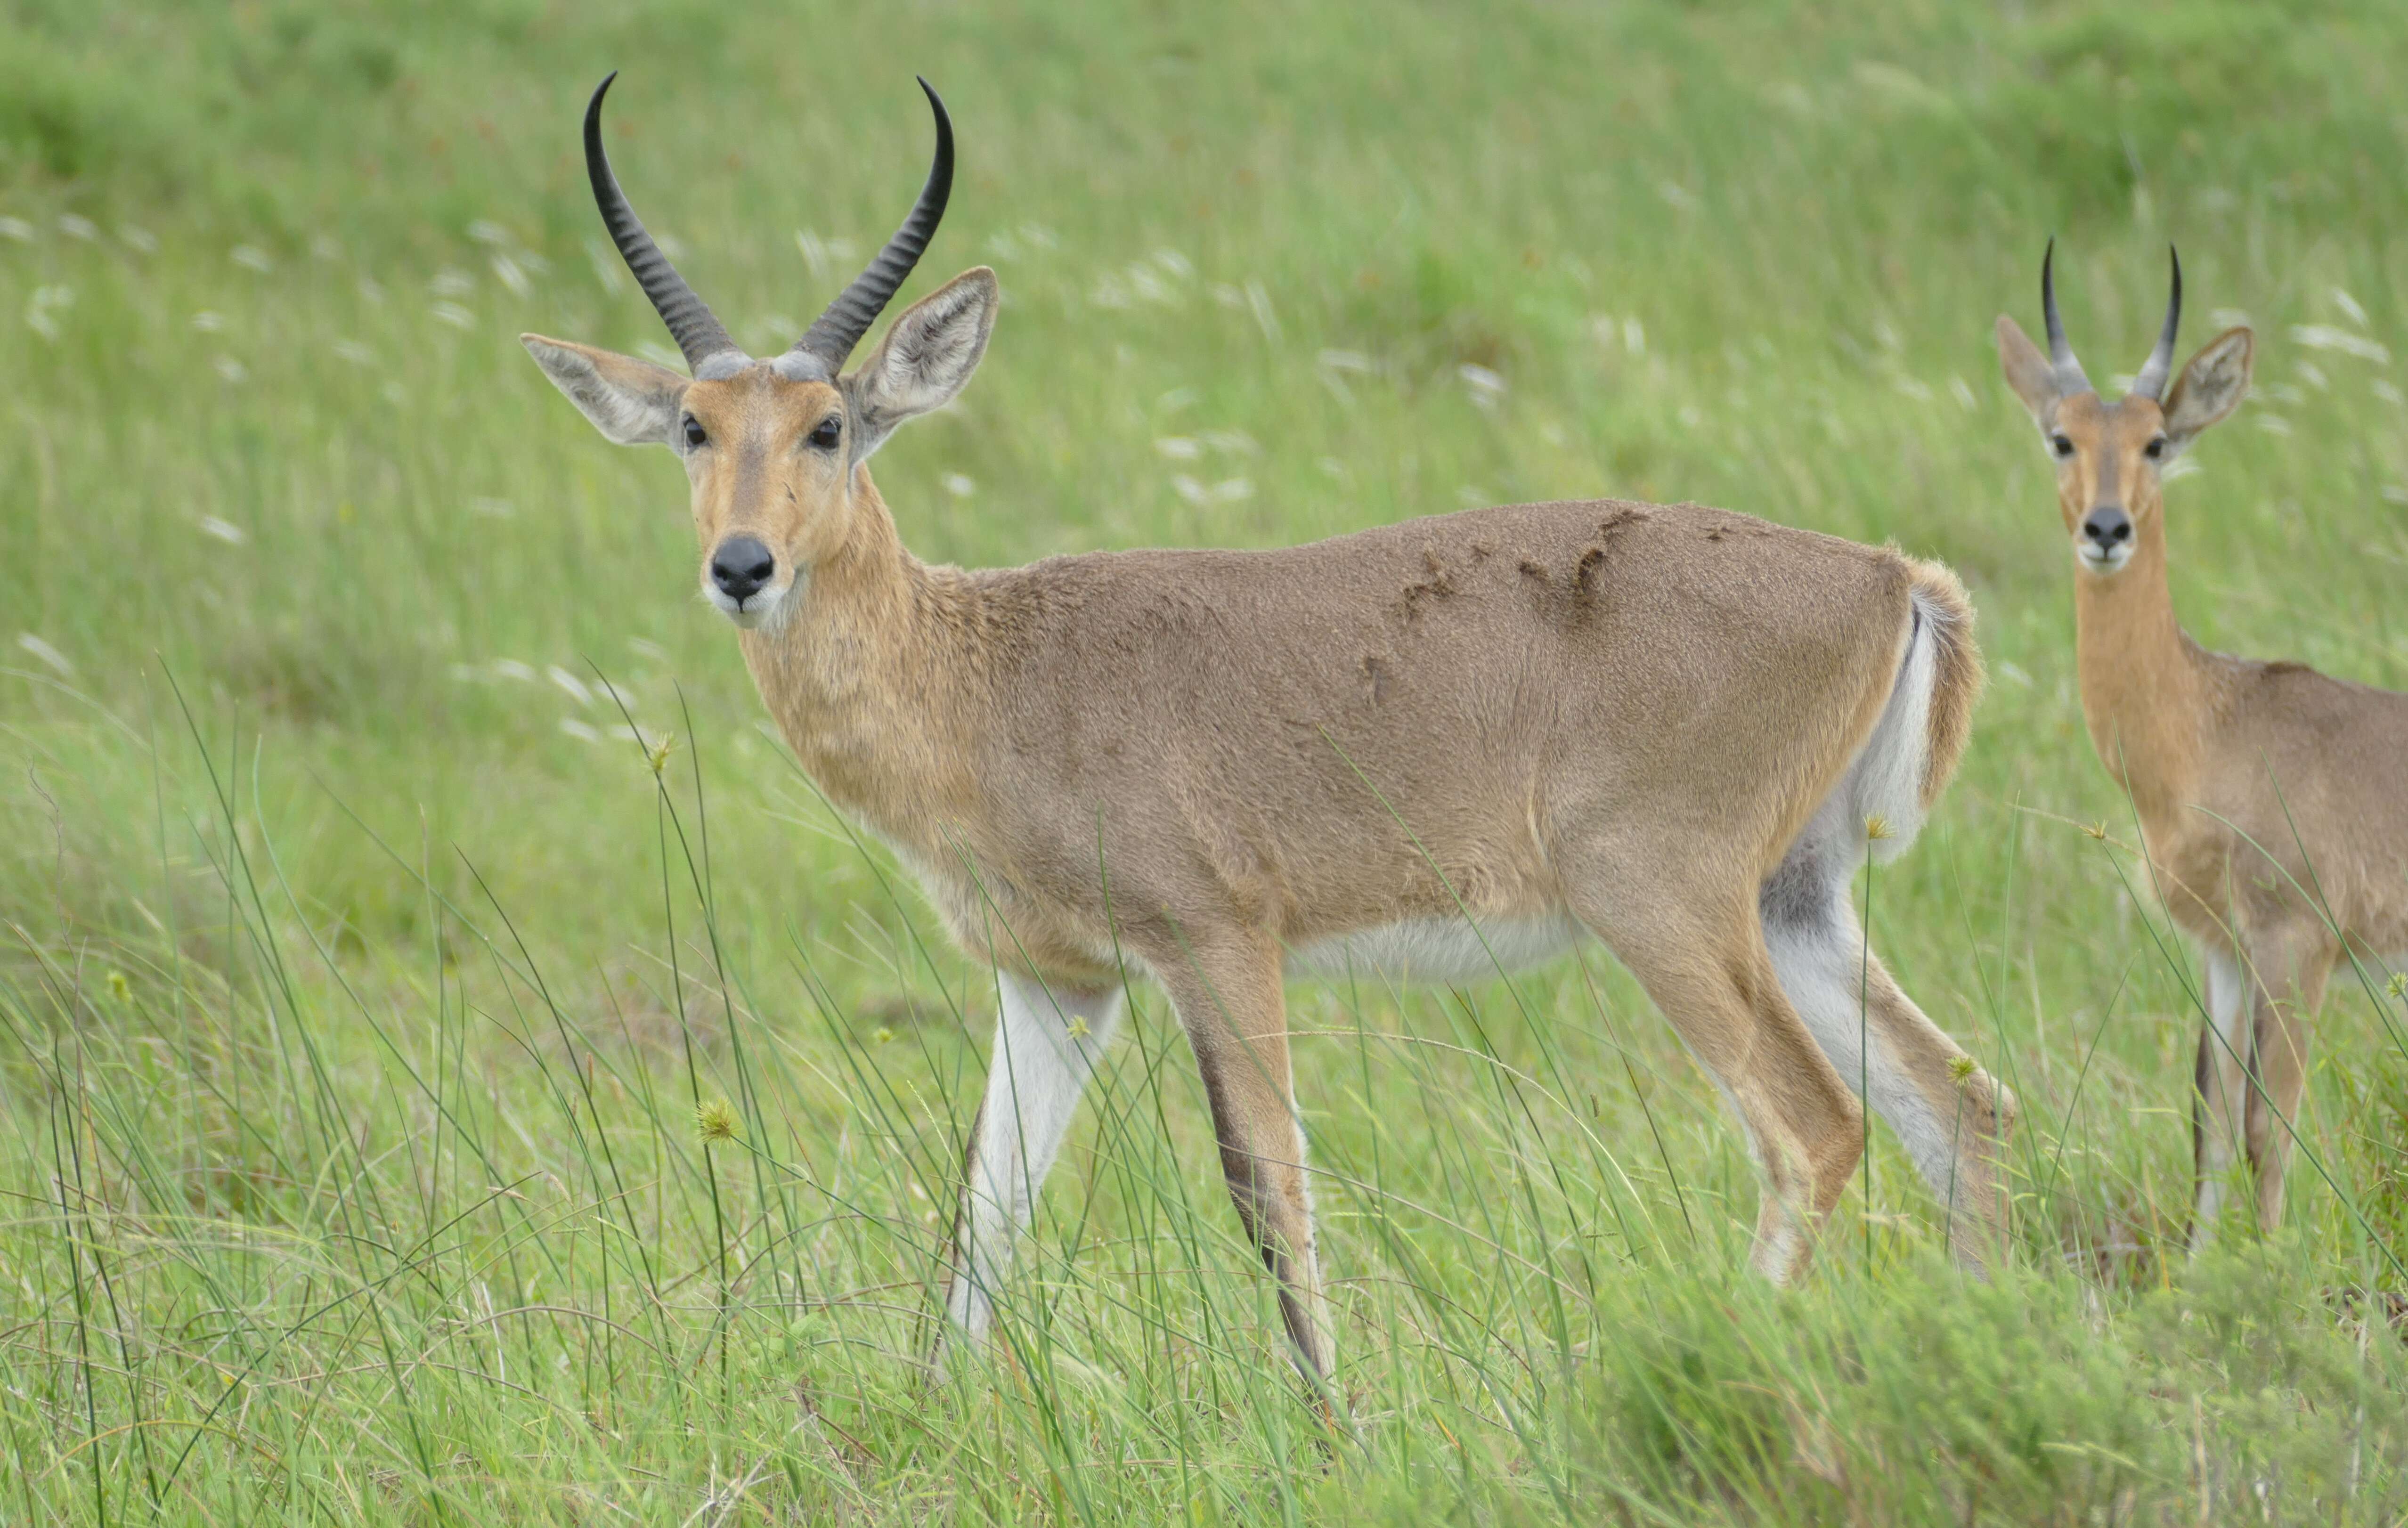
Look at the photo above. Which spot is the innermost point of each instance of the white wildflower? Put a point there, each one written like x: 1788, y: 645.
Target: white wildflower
x: 229, y: 368
x: 42, y: 307
x: 1265, y: 319
x: 47, y: 653
x: 75, y: 227
x: 2321, y: 337
x: 823, y: 253
x: 570, y: 682
x: 226, y: 531
x: 1486, y: 386
x: 605, y: 263
x: 452, y: 314
x: 958, y: 484
x: 250, y: 257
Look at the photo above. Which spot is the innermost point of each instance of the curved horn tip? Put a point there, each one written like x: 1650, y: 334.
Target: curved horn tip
x: 841, y: 326
x: 2070, y: 377
x: 699, y: 333
x: 2151, y: 382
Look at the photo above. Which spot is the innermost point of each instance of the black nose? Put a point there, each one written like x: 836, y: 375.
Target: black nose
x: 2108, y: 527
x: 740, y: 566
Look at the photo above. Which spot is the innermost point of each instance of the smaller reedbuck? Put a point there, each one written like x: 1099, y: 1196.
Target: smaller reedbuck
x: 2272, y: 801
x: 1449, y: 746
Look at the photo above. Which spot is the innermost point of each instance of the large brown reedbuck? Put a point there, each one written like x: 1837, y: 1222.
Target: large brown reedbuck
x: 1454, y: 744
x: 2272, y: 801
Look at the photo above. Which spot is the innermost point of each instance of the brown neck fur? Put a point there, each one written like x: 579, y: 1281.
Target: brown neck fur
x: 2145, y: 682
x: 865, y: 678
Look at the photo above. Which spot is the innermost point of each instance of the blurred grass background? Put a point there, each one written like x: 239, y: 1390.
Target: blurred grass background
x: 362, y: 982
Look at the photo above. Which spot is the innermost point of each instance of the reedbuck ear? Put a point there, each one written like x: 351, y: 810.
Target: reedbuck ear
x: 925, y: 359
x: 632, y: 402
x: 2211, y: 387
x: 2028, y: 370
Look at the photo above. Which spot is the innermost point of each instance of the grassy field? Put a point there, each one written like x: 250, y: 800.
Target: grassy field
x: 422, y: 1104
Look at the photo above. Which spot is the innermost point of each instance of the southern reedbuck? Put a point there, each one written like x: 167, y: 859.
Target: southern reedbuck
x: 1450, y: 744
x: 2272, y: 801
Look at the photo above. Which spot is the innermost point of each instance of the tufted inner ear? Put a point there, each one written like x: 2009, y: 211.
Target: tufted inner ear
x: 632, y: 402
x: 925, y: 359
x: 2211, y: 387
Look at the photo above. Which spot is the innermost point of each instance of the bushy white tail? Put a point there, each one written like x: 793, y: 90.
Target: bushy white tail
x: 1914, y: 747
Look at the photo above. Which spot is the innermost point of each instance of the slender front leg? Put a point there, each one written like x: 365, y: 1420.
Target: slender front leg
x: 1232, y: 1006
x: 2222, y: 1084
x: 1047, y: 1041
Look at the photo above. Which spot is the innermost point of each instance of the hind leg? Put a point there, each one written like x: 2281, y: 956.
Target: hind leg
x: 1701, y: 956
x: 1951, y: 1117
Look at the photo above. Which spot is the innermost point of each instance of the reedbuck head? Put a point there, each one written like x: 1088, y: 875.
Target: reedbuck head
x: 774, y: 448
x: 2109, y: 455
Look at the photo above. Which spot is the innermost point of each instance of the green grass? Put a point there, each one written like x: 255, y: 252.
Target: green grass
x: 360, y: 985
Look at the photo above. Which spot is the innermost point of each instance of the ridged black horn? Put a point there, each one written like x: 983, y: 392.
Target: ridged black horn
x: 2069, y: 380
x: 690, y: 324
x: 2151, y: 383
x: 834, y: 334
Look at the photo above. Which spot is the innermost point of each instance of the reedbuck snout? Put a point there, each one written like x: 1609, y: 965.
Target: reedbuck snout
x: 741, y: 568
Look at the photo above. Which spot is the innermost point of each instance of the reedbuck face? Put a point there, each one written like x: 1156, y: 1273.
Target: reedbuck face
x: 773, y: 449
x: 2109, y: 455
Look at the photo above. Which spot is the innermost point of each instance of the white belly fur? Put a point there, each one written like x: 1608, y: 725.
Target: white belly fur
x: 1438, y: 949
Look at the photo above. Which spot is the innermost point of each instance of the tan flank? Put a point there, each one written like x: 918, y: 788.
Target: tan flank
x: 2272, y: 801
x: 1442, y: 747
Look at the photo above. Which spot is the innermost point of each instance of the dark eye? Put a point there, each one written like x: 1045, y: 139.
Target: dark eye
x: 824, y: 436
x: 695, y: 437
x: 2062, y: 445
x: 2156, y: 448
